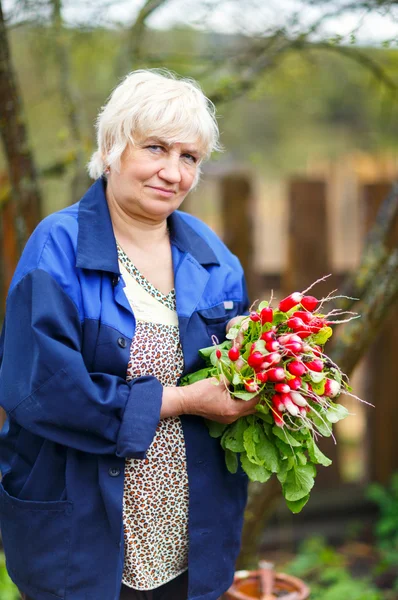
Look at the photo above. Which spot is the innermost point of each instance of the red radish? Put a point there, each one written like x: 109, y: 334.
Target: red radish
x: 315, y: 365
x: 316, y: 324
x: 218, y: 353
x: 255, y: 359
x: 304, y: 333
x: 298, y: 399
x: 272, y: 346
x: 309, y: 302
x: 290, y: 301
x: 304, y: 410
x: 277, y: 402
x: 278, y: 418
x: 296, y: 367
x: 266, y: 315
x: 268, y: 336
x: 290, y: 406
x: 303, y: 315
x: 332, y: 388
x: 294, y: 384
x: 233, y: 353
x: 276, y: 375
x: 293, y: 348
x: 283, y: 388
x: 254, y: 316
x: 317, y: 350
x: 262, y: 376
x: 295, y: 338
x: 251, y: 385
x: 271, y: 359
x: 295, y: 323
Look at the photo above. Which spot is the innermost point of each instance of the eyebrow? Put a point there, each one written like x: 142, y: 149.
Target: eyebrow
x: 163, y: 142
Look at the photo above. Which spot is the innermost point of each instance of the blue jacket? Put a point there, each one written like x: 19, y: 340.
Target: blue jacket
x: 73, y: 419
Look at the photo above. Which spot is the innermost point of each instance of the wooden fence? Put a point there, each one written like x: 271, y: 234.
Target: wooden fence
x: 308, y: 252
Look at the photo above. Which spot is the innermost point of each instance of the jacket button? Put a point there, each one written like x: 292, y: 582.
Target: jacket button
x: 114, y: 472
x: 115, y: 280
x: 122, y: 342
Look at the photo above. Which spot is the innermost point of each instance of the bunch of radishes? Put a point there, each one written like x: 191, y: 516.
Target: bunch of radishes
x: 276, y: 355
x: 281, y: 358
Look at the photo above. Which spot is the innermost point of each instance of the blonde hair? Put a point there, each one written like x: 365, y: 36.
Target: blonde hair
x: 149, y: 103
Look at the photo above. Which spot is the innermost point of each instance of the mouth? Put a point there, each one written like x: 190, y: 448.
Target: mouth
x: 165, y: 192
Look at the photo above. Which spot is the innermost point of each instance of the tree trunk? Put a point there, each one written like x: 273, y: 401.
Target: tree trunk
x: 25, y: 196
x: 23, y: 204
x: 80, y: 181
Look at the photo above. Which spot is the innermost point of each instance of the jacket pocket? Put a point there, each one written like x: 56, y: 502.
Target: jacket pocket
x: 36, y: 540
x: 215, y: 320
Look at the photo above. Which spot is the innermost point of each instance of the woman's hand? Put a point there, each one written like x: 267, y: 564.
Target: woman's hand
x: 236, y: 321
x: 207, y: 398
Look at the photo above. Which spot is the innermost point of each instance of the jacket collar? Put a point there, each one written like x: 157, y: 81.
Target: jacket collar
x: 96, y: 244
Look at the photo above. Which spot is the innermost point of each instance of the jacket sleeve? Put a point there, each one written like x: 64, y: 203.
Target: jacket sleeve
x: 46, y: 388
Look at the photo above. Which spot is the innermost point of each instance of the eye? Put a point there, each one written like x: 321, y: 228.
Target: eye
x: 155, y: 148
x: 190, y: 158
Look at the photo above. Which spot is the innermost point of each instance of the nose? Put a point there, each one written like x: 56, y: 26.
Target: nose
x: 170, y: 169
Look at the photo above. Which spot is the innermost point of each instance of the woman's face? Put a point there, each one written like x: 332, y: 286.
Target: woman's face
x: 154, y: 178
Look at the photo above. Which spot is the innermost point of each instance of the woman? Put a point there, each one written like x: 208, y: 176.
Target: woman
x: 112, y: 487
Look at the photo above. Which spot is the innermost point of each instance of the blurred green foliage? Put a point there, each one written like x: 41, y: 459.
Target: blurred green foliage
x: 310, y: 104
x: 323, y: 568
x: 8, y: 591
x: 386, y: 528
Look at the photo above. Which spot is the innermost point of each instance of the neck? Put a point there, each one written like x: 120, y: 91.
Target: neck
x: 131, y: 230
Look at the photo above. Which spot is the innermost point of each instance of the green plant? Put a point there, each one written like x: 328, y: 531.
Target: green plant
x: 325, y: 571
x: 386, y: 528
x: 8, y: 591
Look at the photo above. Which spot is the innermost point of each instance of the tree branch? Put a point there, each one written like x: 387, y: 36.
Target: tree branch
x: 374, y: 253
x: 355, y: 337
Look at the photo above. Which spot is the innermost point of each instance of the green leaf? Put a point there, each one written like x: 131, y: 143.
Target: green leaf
x: 316, y: 455
x: 279, y: 317
x: 285, y: 436
x: 336, y: 412
x: 216, y: 429
x: 253, y: 471
x: 268, y: 454
x: 285, y: 449
x: 298, y: 483
x: 253, y: 437
x: 197, y: 376
x: 322, y: 336
x: 319, y: 388
x: 301, y: 458
x: 233, y: 437
x: 263, y: 304
x: 285, y: 467
x: 316, y: 377
x: 259, y: 346
x: 243, y: 395
x: 236, y: 379
x: 206, y: 352
x: 296, y: 505
x: 231, y: 460
x: 320, y: 424
x: 232, y: 333
x: 336, y: 375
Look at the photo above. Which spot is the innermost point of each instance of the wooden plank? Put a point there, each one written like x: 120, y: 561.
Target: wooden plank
x: 308, y: 260
x: 382, y: 360
x: 237, y: 215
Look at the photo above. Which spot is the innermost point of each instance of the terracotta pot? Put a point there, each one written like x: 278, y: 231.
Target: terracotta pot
x: 247, y: 585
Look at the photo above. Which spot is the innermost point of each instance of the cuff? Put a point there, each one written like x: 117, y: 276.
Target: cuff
x: 141, y: 417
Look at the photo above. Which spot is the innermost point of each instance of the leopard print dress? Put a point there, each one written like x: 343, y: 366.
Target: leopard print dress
x: 155, y: 504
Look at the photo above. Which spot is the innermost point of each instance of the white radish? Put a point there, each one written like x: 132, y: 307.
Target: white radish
x: 298, y: 399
